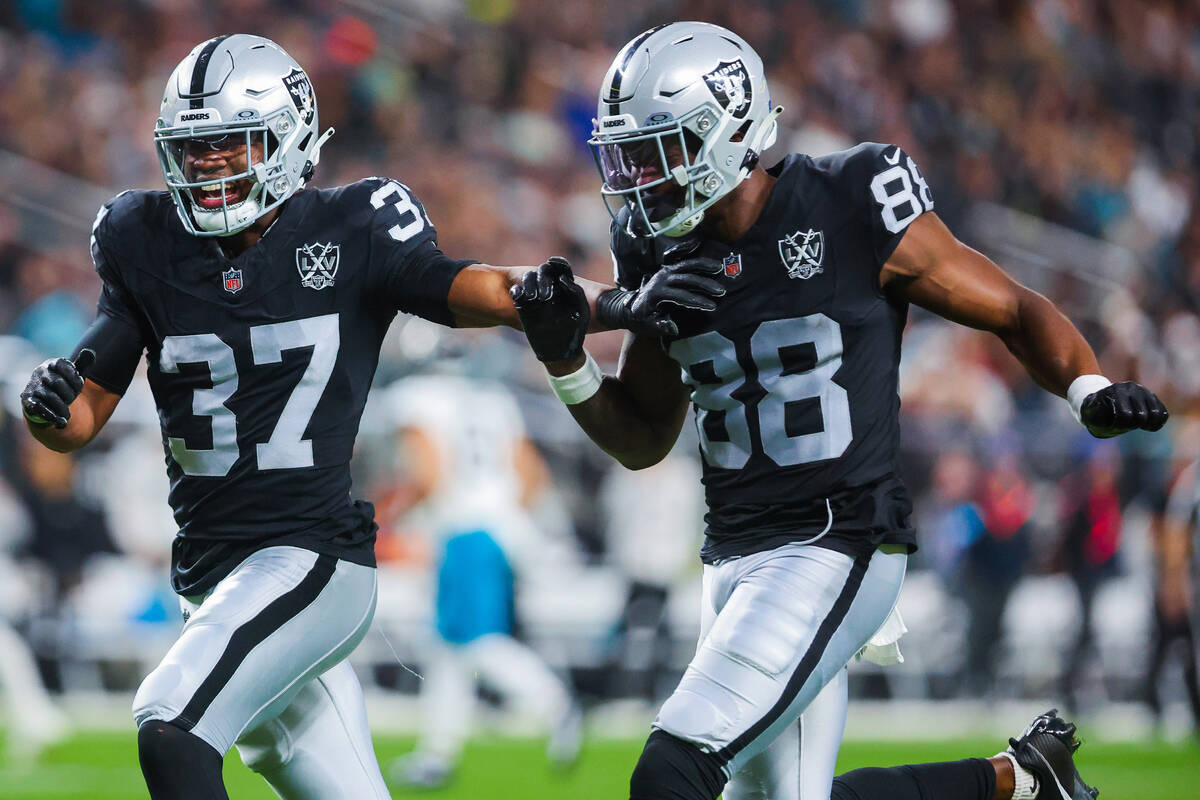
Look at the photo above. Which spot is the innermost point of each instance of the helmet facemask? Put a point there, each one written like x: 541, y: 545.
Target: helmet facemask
x: 263, y: 140
x: 661, y: 173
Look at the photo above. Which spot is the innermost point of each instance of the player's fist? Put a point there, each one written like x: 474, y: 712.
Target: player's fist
x: 685, y: 280
x: 52, y: 388
x: 1120, y: 408
x: 553, y: 310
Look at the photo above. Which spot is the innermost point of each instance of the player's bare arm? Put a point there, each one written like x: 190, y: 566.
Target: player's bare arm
x: 635, y: 416
x: 934, y: 270
x: 479, y: 296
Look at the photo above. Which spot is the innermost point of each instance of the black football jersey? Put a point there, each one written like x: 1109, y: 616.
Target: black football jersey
x: 794, y: 376
x: 260, y: 364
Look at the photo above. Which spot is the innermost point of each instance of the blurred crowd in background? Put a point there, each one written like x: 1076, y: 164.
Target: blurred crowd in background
x: 1062, y: 137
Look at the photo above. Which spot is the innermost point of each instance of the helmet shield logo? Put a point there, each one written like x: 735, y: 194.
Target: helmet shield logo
x: 730, y: 85
x: 300, y: 88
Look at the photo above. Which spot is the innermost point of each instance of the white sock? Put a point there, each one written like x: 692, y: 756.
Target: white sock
x: 1026, y: 785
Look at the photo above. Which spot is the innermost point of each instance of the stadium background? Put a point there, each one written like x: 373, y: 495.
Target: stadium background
x: 1062, y: 137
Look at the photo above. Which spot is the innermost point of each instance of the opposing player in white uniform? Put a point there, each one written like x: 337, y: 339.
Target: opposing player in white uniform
x: 474, y: 472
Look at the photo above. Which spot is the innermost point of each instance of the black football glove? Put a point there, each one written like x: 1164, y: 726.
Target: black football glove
x: 52, y: 388
x: 684, y: 281
x: 553, y: 310
x: 1120, y: 408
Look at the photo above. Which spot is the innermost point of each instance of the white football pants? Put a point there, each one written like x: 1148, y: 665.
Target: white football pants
x: 776, y: 628
x: 800, y: 763
x: 261, y: 662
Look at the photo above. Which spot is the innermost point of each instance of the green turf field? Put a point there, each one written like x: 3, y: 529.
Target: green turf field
x: 104, y: 767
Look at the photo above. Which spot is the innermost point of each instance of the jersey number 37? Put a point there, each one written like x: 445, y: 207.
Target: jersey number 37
x: 286, y: 448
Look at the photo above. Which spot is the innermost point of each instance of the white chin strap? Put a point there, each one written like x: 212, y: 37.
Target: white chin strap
x: 232, y: 220
x: 685, y: 227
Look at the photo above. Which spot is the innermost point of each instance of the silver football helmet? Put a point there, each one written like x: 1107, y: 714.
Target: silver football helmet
x: 232, y: 91
x: 684, y: 114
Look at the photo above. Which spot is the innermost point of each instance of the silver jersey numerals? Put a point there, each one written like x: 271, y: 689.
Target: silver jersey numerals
x: 767, y: 346
x: 286, y: 448
x: 902, y: 194
x: 405, y: 207
x: 205, y: 348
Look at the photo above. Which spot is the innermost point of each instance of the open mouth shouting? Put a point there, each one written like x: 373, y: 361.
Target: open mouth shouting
x: 217, y: 195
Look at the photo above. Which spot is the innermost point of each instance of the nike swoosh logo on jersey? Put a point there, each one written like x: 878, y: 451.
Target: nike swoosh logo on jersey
x: 894, y: 158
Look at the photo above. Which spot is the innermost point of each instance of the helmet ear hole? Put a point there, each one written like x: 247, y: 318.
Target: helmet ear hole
x: 740, y: 134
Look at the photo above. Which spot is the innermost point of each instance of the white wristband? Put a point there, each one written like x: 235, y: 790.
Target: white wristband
x: 1025, y: 785
x: 1080, y: 388
x: 579, y: 385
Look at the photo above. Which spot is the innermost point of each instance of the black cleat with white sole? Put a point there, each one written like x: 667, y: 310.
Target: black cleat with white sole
x: 1047, y: 749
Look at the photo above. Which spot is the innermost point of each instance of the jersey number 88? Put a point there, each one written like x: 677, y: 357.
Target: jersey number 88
x: 713, y: 370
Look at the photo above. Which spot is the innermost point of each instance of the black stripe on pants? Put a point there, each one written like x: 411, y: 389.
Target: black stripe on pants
x: 807, y: 664
x: 251, y: 634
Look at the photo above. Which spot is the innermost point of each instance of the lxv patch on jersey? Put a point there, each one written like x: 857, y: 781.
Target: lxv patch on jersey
x: 803, y: 253
x: 317, y: 264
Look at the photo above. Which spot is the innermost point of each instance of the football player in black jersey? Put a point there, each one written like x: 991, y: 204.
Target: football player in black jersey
x: 261, y: 306
x: 793, y: 379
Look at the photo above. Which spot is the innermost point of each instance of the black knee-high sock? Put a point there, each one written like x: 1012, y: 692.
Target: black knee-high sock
x: 178, y: 765
x: 672, y: 769
x: 970, y: 779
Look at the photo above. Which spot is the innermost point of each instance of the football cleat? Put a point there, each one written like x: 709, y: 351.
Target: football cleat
x: 1047, y: 749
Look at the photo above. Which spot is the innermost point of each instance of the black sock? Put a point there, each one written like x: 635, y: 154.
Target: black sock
x: 970, y: 779
x: 178, y: 765
x: 672, y: 769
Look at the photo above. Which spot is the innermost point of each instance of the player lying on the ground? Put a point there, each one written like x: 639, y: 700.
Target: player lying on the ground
x: 261, y: 306
x: 794, y: 381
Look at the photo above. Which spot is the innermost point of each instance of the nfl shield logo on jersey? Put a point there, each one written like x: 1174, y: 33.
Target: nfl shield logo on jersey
x: 802, y: 253
x: 317, y: 264
x: 733, y: 265
x: 233, y: 280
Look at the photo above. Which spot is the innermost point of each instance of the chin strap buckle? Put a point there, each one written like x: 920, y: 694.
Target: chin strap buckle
x: 765, y: 138
x: 311, y: 164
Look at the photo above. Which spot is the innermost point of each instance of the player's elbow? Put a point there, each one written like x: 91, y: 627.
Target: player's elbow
x: 57, y: 440
x: 642, y: 457
x: 639, y: 462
